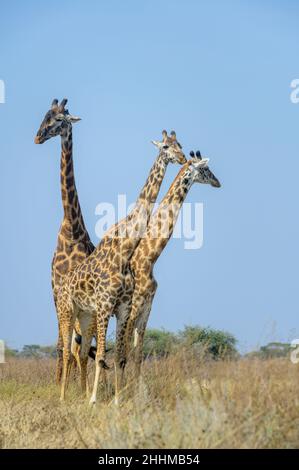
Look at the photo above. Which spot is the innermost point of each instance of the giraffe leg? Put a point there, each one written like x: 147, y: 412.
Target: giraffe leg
x: 139, y: 332
x: 75, y: 349
x: 100, y: 360
x: 141, y: 308
x: 76, y: 341
x: 66, y: 324
x: 137, y: 307
x: 122, y: 316
x: 87, y: 326
x: 59, y: 344
x: 59, y: 360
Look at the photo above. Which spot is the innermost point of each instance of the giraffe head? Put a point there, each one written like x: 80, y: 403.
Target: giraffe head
x: 170, y: 149
x: 57, y: 121
x: 201, y: 173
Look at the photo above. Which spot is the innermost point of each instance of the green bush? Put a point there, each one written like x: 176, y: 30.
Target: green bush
x: 10, y: 352
x: 216, y: 343
x: 158, y: 342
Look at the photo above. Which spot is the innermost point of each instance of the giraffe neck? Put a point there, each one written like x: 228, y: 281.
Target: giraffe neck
x: 149, y: 193
x: 73, y: 223
x: 127, y: 232
x: 163, y: 220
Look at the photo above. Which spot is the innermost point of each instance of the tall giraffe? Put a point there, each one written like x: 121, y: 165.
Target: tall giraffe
x: 73, y: 244
x: 97, y: 288
x: 157, y: 235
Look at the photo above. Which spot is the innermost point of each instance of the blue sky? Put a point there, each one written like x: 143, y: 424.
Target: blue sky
x: 217, y: 72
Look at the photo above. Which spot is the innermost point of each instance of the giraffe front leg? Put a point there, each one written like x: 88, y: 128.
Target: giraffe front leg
x: 100, y: 359
x: 66, y: 325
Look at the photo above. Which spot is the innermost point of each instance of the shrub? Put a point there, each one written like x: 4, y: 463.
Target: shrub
x: 217, y: 343
x: 159, y: 342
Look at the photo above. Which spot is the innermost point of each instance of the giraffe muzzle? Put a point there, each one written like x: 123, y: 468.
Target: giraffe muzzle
x: 41, y: 137
x: 216, y: 183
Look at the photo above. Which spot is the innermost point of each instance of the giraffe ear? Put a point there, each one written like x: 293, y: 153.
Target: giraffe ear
x: 157, y: 143
x: 71, y: 118
x: 201, y: 163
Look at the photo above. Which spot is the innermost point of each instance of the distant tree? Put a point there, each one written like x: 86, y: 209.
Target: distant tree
x: 48, y: 351
x: 272, y: 350
x: 216, y: 343
x: 35, y: 350
x: 30, y: 350
x: 159, y: 342
x: 10, y: 352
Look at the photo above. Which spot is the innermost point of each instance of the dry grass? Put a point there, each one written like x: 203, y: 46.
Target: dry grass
x: 180, y: 402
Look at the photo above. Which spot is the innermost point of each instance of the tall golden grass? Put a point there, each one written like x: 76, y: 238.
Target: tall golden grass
x: 180, y: 402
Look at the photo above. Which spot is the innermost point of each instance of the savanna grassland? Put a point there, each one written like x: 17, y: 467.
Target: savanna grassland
x: 180, y: 402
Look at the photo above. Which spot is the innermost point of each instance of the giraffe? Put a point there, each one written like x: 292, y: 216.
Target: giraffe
x: 157, y: 235
x: 73, y: 244
x: 98, y: 287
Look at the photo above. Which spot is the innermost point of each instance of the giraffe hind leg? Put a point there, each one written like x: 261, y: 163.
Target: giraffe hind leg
x: 100, y: 362
x: 139, y: 332
x: 87, y: 327
x: 59, y: 359
x: 122, y: 316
